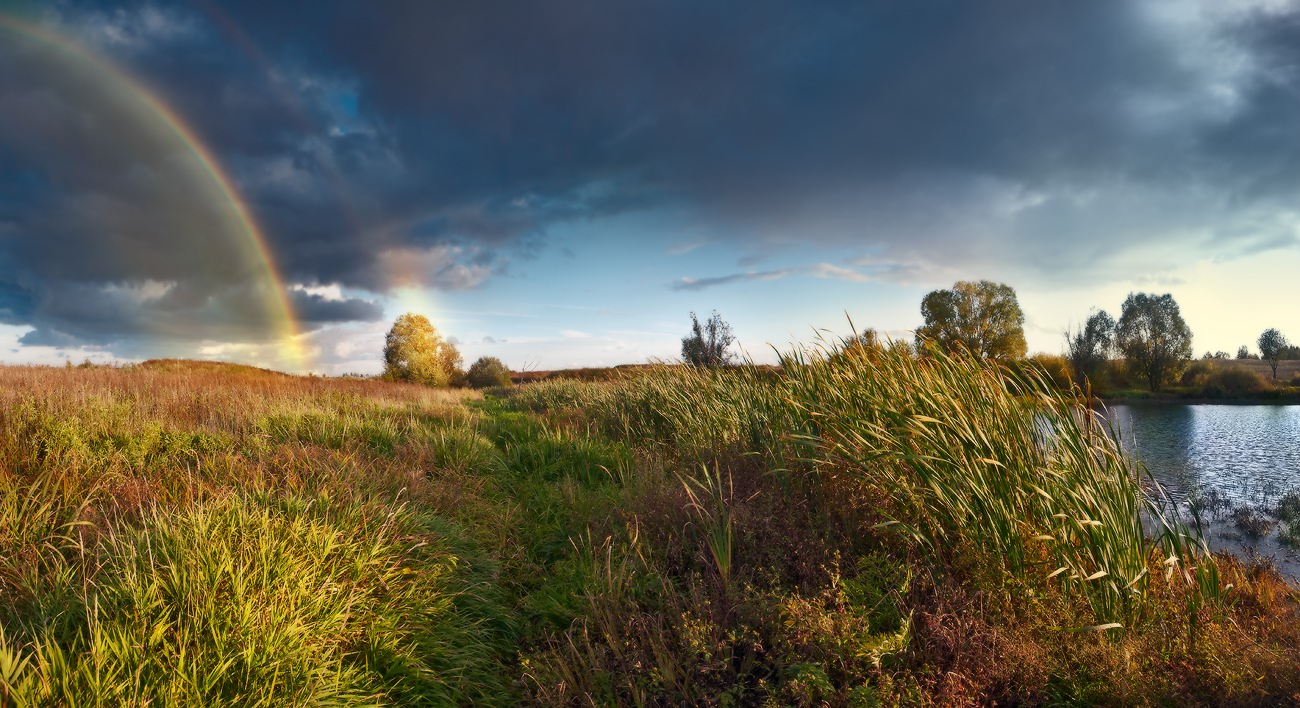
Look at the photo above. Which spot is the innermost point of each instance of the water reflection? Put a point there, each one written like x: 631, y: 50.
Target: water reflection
x: 1248, y: 453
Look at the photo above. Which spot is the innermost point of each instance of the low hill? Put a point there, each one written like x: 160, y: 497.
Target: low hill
x: 196, y: 366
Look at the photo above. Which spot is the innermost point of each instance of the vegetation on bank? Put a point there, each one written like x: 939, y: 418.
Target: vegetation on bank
x: 860, y: 527
x: 1200, y: 381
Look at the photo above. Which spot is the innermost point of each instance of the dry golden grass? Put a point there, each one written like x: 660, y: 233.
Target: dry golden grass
x: 200, y: 393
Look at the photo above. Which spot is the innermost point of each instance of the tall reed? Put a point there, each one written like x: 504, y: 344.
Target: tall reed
x: 968, y: 453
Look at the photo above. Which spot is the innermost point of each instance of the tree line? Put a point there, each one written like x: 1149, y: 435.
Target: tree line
x: 981, y: 318
x: 984, y: 318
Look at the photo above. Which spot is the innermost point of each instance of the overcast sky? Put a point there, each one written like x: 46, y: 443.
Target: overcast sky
x: 561, y: 183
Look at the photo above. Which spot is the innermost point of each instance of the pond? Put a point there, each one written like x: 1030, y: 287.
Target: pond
x: 1248, y: 455
x: 1245, y: 452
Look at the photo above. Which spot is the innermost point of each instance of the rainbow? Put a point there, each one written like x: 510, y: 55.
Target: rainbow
x: 278, y: 304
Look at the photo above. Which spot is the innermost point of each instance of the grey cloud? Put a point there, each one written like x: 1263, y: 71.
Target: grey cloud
x: 49, y: 338
x: 820, y: 270
x: 693, y: 284
x: 903, y: 127
x: 408, y: 142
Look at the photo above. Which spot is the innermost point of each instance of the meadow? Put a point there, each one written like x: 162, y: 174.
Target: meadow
x: 857, y: 527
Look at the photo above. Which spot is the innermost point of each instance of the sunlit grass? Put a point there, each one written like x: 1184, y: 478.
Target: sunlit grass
x: 855, y: 526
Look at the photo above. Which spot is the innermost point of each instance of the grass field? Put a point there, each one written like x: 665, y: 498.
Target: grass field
x: 856, y: 528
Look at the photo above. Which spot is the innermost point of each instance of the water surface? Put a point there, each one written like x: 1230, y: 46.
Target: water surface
x: 1245, y: 452
x: 1249, y: 454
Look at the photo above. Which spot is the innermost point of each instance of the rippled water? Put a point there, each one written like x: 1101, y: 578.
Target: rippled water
x: 1249, y: 453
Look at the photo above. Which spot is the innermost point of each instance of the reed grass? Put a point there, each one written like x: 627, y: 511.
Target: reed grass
x: 710, y: 502
x: 968, y: 453
x: 860, y: 526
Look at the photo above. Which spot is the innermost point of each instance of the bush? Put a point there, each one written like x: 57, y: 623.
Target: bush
x: 1198, y: 373
x: 1231, y: 382
x: 488, y: 371
x: 1056, y: 368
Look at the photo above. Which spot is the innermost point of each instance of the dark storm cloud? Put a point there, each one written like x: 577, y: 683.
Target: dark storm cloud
x: 1048, y: 134
x: 385, y: 144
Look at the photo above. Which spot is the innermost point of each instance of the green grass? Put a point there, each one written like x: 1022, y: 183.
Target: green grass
x: 283, y: 601
x: 860, y: 527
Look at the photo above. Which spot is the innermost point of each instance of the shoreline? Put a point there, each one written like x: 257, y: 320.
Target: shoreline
x: 1290, y: 400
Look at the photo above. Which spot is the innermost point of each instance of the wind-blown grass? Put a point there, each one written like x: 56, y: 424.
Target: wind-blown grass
x: 968, y: 453
x: 971, y: 455
x: 858, y: 527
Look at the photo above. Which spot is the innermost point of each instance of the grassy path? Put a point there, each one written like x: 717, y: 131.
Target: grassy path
x: 174, y: 535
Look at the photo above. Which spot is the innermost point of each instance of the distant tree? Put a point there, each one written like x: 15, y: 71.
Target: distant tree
x: 866, y: 342
x: 1243, y: 352
x: 1089, y: 348
x: 1272, y: 344
x: 1153, y: 337
x: 1217, y: 355
x: 707, y: 344
x: 488, y: 371
x: 415, y: 352
x: 984, y: 318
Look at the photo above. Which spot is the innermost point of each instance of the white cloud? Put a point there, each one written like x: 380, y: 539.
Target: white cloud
x: 128, y: 30
x: 827, y: 270
x: 332, y: 292
x: 139, y: 293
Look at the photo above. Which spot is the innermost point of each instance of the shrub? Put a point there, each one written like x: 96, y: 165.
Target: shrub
x: 1197, y: 373
x: 488, y: 371
x: 1232, y: 382
x: 1056, y: 368
x: 707, y: 344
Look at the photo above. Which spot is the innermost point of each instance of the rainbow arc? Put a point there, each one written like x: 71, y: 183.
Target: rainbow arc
x: 277, y: 305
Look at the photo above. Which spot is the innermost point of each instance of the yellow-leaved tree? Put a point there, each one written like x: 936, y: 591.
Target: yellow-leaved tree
x: 415, y: 352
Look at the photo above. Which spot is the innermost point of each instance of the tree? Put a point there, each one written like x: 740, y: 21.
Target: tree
x: 415, y: 352
x: 984, y: 318
x: 1090, y: 347
x: 1272, y: 344
x: 488, y: 371
x: 706, y: 345
x: 1153, y: 337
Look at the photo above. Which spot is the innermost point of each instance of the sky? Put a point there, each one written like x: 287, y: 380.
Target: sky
x: 561, y: 184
